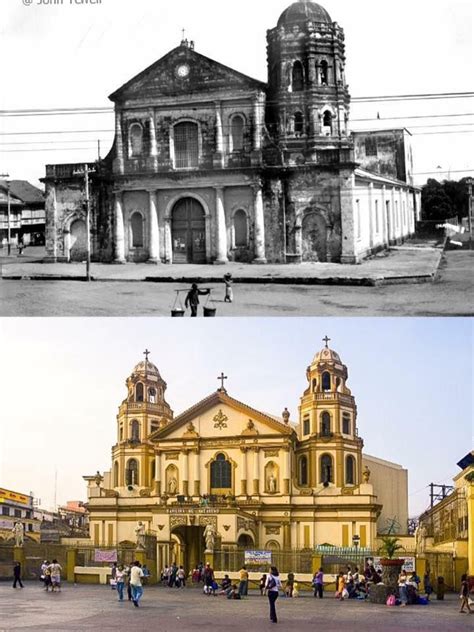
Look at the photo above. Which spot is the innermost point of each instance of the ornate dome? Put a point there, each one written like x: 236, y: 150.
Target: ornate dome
x: 302, y: 11
x: 146, y: 367
x: 326, y: 355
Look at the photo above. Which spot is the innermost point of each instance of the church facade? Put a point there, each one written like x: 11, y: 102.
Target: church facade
x: 257, y: 481
x: 209, y: 165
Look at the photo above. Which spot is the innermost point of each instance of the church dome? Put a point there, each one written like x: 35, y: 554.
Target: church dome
x: 326, y: 355
x: 146, y: 367
x: 302, y: 11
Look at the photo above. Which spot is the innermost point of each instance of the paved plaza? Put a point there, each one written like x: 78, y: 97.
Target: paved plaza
x: 83, y: 607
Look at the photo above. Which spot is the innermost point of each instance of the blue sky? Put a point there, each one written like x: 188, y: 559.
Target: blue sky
x: 63, y: 379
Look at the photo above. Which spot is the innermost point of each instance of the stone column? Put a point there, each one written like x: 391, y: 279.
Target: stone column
x: 219, y: 155
x: 119, y: 229
x: 158, y: 473
x: 286, y: 470
x: 287, y: 535
x: 256, y: 471
x: 119, y: 168
x: 168, y: 241
x: 312, y: 68
x: 185, y: 473
x: 154, y: 243
x: 258, y: 122
x: 221, y: 231
x: 371, y: 219
x: 153, y: 145
x: 197, y: 474
x: 71, y: 562
x: 259, y: 220
x: 243, y: 478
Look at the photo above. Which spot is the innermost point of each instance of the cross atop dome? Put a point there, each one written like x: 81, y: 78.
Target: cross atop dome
x: 326, y: 340
x: 222, y: 377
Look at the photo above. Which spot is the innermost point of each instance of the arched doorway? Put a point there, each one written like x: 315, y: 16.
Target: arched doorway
x: 314, y: 238
x: 78, y: 241
x: 245, y: 541
x: 188, y: 229
x: 189, y: 546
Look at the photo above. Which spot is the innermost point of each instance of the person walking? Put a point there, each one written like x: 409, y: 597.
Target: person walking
x: 136, y: 576
x: 427, y: 585
x: 17, y: 575
x: 244, y: 582
x: 208, y: 576
x: 290, y: 580
x: 464, y: 595
x: 55, y: 569
x: 120, y: 579
x: 192, y: 298
x: 181, y: 577
x: 318, y: 583
x: 273, y: 587
x: 229, y: 294
x: 261, y: 584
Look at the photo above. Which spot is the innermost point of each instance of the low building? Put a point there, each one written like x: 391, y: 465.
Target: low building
x: 17, y: 507
x: 448, y: 527
x: 27, y: 213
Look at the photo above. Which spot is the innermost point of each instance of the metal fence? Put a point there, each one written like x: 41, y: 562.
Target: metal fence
x: 295, y: 560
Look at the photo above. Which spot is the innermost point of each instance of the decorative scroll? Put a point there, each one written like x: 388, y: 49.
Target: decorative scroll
x: 176, y: 521
x: 205, y: 520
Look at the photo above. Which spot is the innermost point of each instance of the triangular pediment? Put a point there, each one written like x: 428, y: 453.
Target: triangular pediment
x: 183, y: 71
x: 219, y: 416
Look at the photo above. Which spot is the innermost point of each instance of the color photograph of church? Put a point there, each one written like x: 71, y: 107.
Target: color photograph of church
x: 224, y: 472
x: 209, y: 165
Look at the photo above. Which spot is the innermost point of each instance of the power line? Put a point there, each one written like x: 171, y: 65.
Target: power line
x: 108, y: 110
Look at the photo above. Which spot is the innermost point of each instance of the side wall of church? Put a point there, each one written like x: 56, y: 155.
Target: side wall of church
x: 390, y: 482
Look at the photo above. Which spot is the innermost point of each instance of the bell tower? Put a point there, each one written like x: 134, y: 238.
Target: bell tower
x: 308, y: 98
x: 141, y: 413
x: 327, y: 432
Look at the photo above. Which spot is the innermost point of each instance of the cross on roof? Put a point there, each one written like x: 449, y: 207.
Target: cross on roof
x: 222, y: 377
x: 326, y: 340
x: 146, y: 353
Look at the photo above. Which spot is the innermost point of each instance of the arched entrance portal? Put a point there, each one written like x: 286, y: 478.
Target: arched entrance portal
x: 189, y: 546
x: 78, y: 241
x: 188, y: 230
x: 314, y: 238
x: 245, y: 542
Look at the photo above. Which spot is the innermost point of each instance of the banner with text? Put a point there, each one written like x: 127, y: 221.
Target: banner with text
x: 258, y: 557
x: 105, y: 556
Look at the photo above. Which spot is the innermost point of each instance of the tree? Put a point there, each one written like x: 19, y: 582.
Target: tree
x: 443, y: 200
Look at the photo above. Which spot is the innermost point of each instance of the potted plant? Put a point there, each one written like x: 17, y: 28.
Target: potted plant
x: 391, y: 565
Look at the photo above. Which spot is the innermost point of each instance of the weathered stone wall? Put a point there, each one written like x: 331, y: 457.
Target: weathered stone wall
x: 391, y: 153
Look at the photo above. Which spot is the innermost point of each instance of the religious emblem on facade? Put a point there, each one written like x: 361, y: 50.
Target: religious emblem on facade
x: 220, y: 420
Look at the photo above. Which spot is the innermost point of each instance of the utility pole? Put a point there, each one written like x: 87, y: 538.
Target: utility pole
x: 7, y: 175
x: 85, y: 172
x: 469, y: 182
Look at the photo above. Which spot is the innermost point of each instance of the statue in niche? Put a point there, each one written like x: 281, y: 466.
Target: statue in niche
x: 271, y: 483
x: 209, y: 537
x: 18, y: 534
x: 140, y: 535
x: 172, y: 486
x: 286, y: 415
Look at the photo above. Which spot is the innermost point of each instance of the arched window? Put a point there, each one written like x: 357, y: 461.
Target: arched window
x: 303, y: 470
x: 326, y: 381
x: 314, y: 385
x: 139, y: 392
x: 152, y: 470
x: 136, y: 140
x: 297, y: 77
x: 186, y: 145
x: 346, y: 423
x: 326, y: 470
x: 237, y: 133
x: 152, y: 395
x: 324, y: 73
x: 136, y: 224
x: 306, y: 426
x: 350, y: 470
x: 221, y: 473
x: 116, y: 474
x: 135, y: 430
x: 240, y: 229
x: 131, y: 473
x: 299, y: 124
x: 325, y: 424
x: 327, y: 123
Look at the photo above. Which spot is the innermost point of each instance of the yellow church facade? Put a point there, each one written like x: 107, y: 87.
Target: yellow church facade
x: 255, y: 481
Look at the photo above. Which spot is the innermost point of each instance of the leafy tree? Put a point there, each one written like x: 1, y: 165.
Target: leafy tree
x: 442, y: 200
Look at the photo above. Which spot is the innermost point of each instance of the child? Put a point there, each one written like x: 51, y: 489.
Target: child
x: 229, y: 295
x: 296, y: 591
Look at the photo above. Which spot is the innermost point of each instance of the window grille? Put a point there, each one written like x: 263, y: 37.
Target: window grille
x: 237, y: 133
x: 186, y: 145
x: 221, y: 473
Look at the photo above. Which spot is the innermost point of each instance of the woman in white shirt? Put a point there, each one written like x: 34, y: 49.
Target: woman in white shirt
x: 272, y: 588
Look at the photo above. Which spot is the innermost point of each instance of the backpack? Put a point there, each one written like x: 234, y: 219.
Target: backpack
x: 271, y: 582
x: 391, y: 600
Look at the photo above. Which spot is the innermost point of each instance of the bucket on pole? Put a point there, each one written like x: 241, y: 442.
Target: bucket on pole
x: 177, y: 311
x: 209, y: 309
